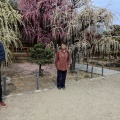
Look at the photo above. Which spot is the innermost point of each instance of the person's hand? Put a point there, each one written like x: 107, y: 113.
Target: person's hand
x: 68, y: 66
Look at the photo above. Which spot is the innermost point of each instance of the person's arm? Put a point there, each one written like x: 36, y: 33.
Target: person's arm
x: 56, y: 58
x: 2, y: 53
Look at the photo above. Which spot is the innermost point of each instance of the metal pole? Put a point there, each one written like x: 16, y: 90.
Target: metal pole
x: 92, y: 72
x: 78, y: 59
x: 4, y: 81
x: 109, y: 62
x: 102, y: 70
x: 97, y: 63
x: 77, y: 75
x: 38, y: 81
x: 87, y: 67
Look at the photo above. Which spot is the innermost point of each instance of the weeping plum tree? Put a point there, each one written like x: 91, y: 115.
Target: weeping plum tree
x: 37, y: 19
x: 110, y: 43
x: 9, y: 30
x: 87, y: 17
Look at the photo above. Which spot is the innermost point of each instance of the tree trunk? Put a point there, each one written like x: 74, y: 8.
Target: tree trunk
x: 72, y: 67
x: 40, y: 70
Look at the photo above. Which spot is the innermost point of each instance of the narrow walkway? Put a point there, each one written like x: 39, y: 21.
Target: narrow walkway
x: 97, y: 70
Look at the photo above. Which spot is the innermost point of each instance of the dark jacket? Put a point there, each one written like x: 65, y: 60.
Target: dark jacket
x: 2, y: 53
x: 62, y: 60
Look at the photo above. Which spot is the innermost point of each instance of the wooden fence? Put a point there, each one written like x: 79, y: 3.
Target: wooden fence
x: 20, y: 54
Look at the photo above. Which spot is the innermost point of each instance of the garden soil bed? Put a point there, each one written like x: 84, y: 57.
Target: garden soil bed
x: 23, y: 77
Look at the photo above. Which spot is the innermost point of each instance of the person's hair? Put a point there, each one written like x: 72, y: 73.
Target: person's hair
x: 63, y: 42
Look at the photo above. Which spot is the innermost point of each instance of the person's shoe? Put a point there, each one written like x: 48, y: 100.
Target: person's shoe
x: 63, y: 88
x: 2, y: 104
x: 59, y: 88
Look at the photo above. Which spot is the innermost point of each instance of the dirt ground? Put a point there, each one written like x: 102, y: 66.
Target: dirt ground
x: 24, y: 77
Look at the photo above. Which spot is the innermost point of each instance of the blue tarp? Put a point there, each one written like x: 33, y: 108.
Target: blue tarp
x: 2, y: 53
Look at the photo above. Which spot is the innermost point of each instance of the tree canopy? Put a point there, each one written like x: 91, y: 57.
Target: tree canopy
x: 41, y: 55
x: 9, y: 30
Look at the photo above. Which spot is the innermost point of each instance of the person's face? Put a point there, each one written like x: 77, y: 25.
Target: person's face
x: 63, y: 46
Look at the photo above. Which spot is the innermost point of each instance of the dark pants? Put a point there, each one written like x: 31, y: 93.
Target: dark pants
x: 61, y: 77
x: 0, y: 85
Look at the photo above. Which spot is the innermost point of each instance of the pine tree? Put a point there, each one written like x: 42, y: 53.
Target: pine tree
x: 41, y: 55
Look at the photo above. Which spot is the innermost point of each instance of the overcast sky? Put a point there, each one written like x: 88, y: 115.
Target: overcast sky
x: 113, y: 5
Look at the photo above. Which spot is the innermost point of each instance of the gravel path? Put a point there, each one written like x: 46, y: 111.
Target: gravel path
x: 90, y: 99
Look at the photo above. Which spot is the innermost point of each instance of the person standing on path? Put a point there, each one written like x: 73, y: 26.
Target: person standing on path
x: 2, y: 58
x: 62, y: 63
